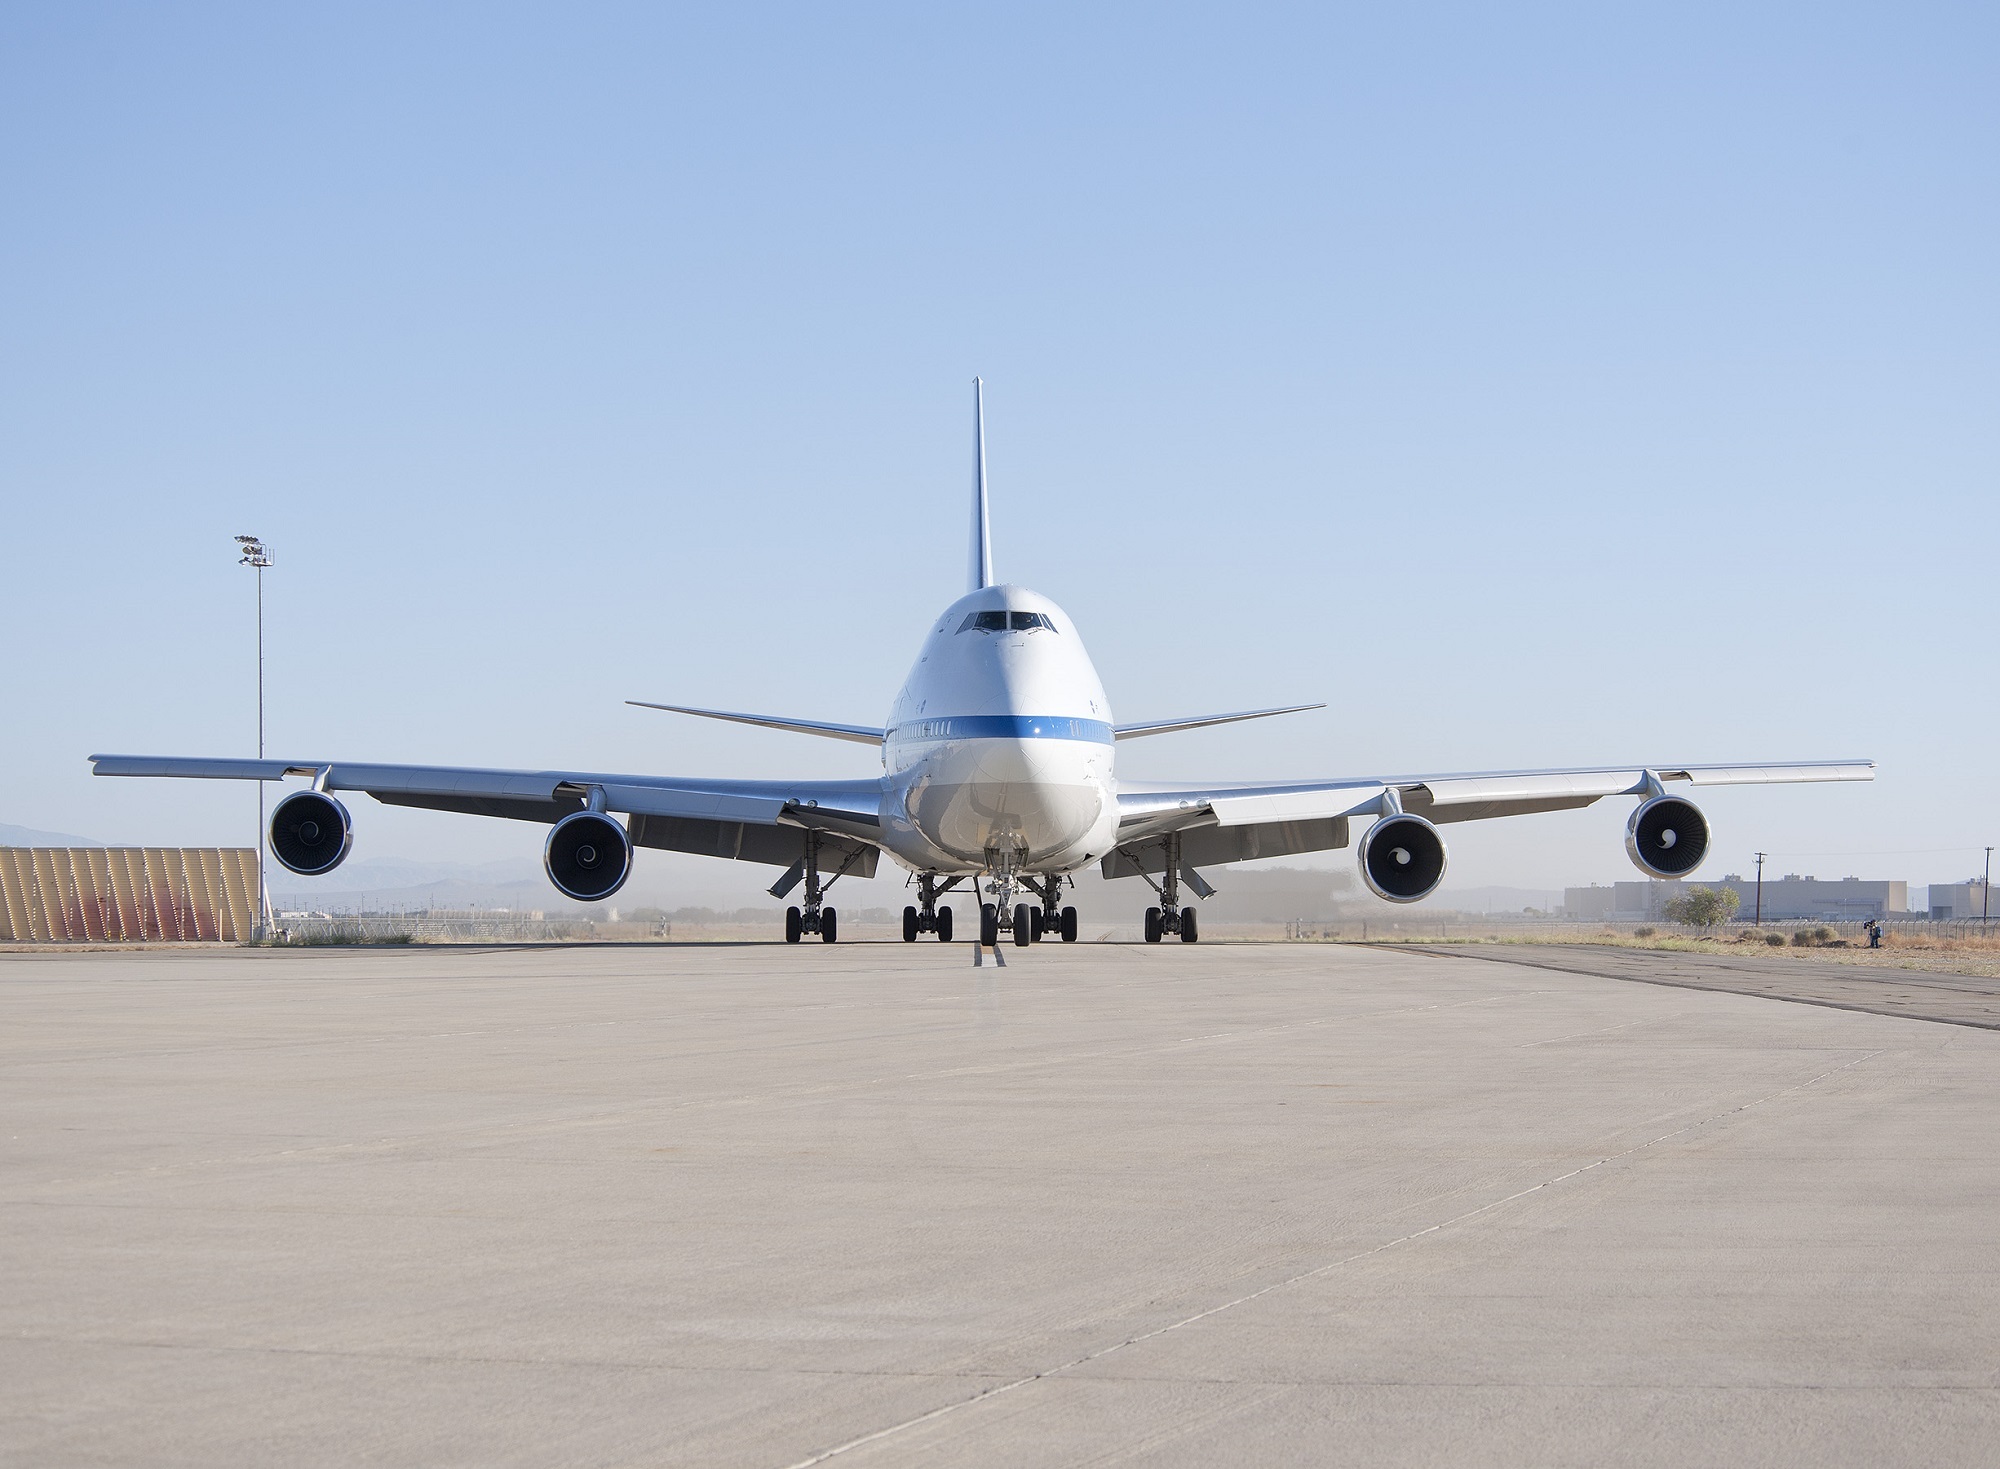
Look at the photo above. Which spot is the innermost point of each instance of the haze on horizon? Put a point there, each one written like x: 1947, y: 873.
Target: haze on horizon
x: 1556, y: 386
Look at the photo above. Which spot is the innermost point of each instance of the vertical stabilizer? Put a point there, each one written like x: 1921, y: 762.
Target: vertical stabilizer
x: 982, y: 544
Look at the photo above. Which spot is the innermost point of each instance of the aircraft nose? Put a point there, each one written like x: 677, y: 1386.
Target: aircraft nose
x: 1005, y: 796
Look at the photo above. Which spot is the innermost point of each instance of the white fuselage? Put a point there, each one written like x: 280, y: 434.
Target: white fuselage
x: 999, y: 749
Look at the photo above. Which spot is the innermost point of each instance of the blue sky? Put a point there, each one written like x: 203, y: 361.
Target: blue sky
x: 1549, y: 385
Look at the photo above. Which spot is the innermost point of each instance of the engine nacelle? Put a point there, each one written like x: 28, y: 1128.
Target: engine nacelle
x: 588, y: 856
x: 1402, y: 858
x: 310, y: 833
x: 1667, y: 837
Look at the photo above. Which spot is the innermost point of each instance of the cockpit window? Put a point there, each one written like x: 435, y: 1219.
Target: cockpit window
x: 1003, y: 621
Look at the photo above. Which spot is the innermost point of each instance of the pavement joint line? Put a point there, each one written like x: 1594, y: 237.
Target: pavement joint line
x: 1669, y: 982
x: 946, y: 1409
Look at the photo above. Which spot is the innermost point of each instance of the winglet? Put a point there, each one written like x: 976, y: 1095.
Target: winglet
x: 982, y: 545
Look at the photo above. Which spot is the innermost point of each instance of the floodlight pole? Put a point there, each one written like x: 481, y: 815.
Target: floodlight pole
x: 1758, y: 921
x: 253, y: 555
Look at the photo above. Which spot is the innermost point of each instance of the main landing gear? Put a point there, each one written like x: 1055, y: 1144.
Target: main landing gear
x: 1170, y: 917
x: 1048, y: 918
x: 926, y: 916
x: 816, y: 917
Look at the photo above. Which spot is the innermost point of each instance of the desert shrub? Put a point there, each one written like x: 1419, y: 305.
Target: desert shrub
x: 1822, y: 935
x: 1703, y: 907
x: 339, y: 934
x: 1644, y: 933
x: 1775, y: 940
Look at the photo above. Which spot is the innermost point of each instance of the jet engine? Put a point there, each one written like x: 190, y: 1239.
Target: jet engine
x: 1402, y: 858
x: 1667, y: 837
x: 588, y: 856
x: 310, y: 833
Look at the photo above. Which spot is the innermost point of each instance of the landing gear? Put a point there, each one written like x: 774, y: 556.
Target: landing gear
x: 1027, y: 923
x: 926, y: 916
x: 1170, y: 917
x: 1046, y: 917
x: 815, y: 917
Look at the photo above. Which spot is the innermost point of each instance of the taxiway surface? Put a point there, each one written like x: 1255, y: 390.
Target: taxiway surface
x: 869, y: 1205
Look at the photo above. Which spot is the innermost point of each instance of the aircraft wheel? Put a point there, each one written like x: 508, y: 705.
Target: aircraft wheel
x: 989, y: 925
x: 909, y: 925
x: 1152, y: 925
x: 829, y: 925
x: 1038, y: 924
x: 944, y: 925
x: 1069, y: 925
x: 1024, y: 926
x: 1189, y: 933
x: 795, y: 925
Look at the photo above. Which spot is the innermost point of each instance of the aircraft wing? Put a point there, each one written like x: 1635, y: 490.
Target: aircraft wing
x: 1239, y: 821
x: 747, y: 820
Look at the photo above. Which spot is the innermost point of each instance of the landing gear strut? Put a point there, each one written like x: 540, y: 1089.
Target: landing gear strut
x: 1170, y: 917
x: 1025, y: 923
x: 815, y: 917
x: 1049, y: 918
x: 926, y: 916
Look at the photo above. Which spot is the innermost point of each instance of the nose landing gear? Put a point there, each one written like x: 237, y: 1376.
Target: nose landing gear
x: 1025, y: 923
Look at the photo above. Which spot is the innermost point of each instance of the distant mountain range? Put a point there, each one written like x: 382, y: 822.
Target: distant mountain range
x: 28, y: 836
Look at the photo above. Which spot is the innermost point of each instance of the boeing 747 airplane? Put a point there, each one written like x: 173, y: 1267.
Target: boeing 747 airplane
x: 998, y: 772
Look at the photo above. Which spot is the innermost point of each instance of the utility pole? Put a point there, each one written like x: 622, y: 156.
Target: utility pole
x: 1758, y: 921
x: 1986, y: 891
x: 251, y: 553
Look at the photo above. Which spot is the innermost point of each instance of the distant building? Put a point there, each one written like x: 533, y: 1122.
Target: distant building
x: 1592, y: 904
x: 1962, y: 900
x: 1786, y: 899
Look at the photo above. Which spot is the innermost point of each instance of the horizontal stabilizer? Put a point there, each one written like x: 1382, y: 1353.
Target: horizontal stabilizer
x: 859, y: 734
x: 1168, y: 726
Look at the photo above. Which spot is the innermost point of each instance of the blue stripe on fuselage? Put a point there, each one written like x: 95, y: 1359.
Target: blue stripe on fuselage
x: 1004, y: 727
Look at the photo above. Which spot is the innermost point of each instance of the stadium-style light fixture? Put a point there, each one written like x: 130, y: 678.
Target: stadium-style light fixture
x: 251, y: 553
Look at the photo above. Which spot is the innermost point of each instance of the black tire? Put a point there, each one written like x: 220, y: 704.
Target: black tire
x: 1069, y: 925
x: 1152, y: 925
x: 1024, y: 926
x: 944, y: 925
x: 1038, y: 924
x: 909, y: 925
x: 829, y: 925
x: 989, y: 925
x: 1189, y: 931
x: 795, y: 925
